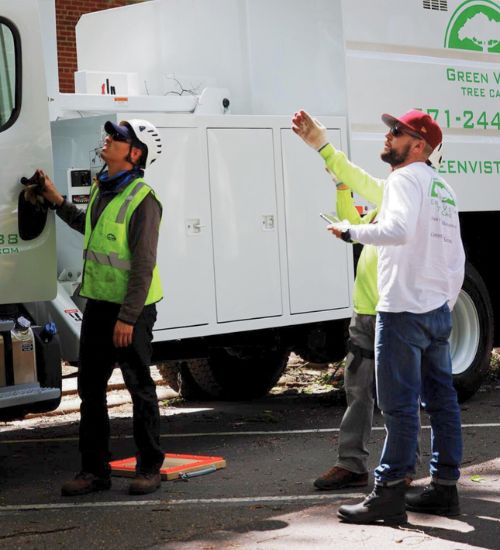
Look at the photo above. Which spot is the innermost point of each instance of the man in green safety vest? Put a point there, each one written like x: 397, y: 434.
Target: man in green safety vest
x: 121, y: 284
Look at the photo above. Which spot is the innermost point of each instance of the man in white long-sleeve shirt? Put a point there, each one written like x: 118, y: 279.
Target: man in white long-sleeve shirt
x: 420, y: 273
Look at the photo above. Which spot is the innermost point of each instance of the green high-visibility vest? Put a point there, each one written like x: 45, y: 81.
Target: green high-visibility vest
x: 106, y: 251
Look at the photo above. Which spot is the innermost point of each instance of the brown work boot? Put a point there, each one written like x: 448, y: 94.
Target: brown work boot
x: 339, y: 478
x: 84, y: 483
x: 144, y: 483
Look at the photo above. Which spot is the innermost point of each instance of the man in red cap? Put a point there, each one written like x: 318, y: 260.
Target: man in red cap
x: 420, y: 273
x: 351, y: 466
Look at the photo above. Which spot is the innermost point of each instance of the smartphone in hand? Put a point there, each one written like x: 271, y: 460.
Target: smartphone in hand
x: 329, y: 218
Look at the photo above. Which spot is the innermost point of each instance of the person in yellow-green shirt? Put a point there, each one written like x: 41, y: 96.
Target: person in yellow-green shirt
x: 351, y: 468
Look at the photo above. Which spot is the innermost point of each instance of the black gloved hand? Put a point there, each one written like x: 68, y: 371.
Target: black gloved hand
x: 34, y: 187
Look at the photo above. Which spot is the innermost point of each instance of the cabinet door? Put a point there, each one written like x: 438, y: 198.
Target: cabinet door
x: 245, y: 236
x: 318, y: 263
x: 180, y: 179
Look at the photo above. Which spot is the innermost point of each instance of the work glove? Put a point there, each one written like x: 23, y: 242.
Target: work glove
x: 33, y: 190
x: 31, y: 194
x: 310, y: 130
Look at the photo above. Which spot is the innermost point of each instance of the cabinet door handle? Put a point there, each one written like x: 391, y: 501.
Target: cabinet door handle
x: 193, y: 226
x: 268, y: 222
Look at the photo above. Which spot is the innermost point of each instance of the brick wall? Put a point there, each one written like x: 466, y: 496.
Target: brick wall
x: 68, y: 13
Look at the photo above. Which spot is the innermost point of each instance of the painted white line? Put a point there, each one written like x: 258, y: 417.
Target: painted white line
x: 179, y: 502
x: 226, y: 434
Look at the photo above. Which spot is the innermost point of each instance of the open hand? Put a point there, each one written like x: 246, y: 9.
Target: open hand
x: 122, y: 334
x: 309, y: 129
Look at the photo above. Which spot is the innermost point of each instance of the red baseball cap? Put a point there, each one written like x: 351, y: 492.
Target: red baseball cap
x: 421, y: 123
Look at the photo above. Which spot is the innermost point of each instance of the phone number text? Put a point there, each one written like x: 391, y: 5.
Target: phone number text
x: 465, y: 119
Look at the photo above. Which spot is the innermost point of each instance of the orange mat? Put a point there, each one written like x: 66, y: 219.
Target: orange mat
x: 174, y: 466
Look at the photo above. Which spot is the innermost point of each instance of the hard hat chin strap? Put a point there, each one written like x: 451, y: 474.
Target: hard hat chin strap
x: 104, y: 166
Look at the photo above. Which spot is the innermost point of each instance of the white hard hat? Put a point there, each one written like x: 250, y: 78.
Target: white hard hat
x: 436, y: 157
x: 148, y: 135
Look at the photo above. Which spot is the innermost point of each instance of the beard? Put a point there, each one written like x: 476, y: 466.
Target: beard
x: 394, y: 158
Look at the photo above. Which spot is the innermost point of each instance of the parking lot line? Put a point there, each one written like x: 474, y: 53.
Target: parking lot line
x: 225, y: 434
x: 177, y: 502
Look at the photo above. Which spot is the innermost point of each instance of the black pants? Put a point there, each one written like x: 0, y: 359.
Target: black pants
x: 98, y: 357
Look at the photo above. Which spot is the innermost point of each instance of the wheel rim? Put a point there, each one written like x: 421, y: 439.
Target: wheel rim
x: 464, y: 338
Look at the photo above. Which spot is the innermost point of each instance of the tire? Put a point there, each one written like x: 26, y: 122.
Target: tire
x: 200, y: 371
x: 11, y: 414
x: 169, y: 371
x: 325, y: 343
x: 471, y: 339
x: 177, y: 375
x: 239, y: 374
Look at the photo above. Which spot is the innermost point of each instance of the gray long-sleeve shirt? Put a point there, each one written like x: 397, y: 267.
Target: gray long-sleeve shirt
x: 143, y: 242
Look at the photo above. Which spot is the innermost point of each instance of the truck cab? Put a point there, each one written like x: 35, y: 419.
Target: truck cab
x: 30, y: 362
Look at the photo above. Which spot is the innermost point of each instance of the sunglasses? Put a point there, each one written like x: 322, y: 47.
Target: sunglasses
x: 397, y: 130
x: 118, y: 137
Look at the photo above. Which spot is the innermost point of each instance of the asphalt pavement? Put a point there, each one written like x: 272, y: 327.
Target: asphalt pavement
x: 263, y: 499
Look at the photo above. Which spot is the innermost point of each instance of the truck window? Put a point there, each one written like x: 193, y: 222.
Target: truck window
x: 10, y: 74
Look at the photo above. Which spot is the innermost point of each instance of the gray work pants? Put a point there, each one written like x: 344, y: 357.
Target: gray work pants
x: 359, y: 383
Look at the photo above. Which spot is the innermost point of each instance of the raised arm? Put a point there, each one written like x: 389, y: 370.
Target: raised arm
x: 315, y: 135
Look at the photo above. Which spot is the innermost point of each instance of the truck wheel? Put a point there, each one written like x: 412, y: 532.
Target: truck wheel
x: 201, y: 373
x: 13, y: 413
x: 471, y: 339
x: 169, y: 371
x: 325, y: 343
x: 177, y: 375
x: 233, y: 375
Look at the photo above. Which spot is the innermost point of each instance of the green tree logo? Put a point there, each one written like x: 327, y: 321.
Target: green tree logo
x: 475, y: 25
x: 441, y: 192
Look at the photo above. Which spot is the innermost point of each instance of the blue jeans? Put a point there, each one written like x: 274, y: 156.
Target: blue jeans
x: 412, y: 361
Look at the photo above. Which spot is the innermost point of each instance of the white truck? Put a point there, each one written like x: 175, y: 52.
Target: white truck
x: 248, y: 269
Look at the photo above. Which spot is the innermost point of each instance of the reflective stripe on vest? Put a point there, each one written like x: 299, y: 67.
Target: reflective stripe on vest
x: 107, y: 259
x: 107, y: 256
x: 120, y: 218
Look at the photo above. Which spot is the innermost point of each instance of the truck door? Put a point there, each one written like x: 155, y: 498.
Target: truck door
x: 28, y: 267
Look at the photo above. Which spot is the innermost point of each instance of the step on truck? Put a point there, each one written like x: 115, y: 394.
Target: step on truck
x: 249, y: 272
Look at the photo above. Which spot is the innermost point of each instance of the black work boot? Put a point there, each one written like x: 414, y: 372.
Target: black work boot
x: 85, y: 483
x: 384, y: 504
x: 441, y: 500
